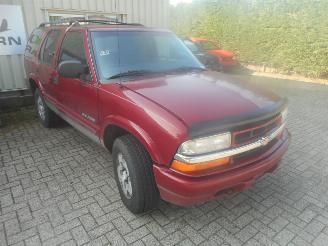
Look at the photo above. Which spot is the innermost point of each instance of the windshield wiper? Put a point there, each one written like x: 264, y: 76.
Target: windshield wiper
x: 186, y: 69
x: 131, y: 73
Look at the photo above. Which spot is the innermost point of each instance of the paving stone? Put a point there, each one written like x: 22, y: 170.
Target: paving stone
x: 278, y: 223
x: 80, y: 235
x: 102, y: 240
x: 69, y: 243
x: 314, y: 227
x: 18, y: 237
x: 243, y: 220
x: 115, y: 238
x: 284, y: 237
x: 101, y: 230
x: 59, y: 239
x: 6, y: 200
x: 122, y: 226
x: 33, y: 241
x: 246, y: 233
x: 136, y: 234
x: 12, y: 227
x: 321, y: 240
x: 3, y: 240
x: 150, y: 240
x: 67, y: 226
x: 307, y: 215
x: 88, y: 222
x: 46, y: 231
x: 173, y: 238
x: 156, y: 230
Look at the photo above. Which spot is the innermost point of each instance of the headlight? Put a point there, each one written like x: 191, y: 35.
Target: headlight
x: 284, y: 115
x: 201, y: 146
x: 205, y: 145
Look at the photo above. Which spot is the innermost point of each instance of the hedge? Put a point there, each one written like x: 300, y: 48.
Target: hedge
x: 289, y: 35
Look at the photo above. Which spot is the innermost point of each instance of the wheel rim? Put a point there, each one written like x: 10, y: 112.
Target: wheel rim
x: 124, y: 176
x: 41, y: 108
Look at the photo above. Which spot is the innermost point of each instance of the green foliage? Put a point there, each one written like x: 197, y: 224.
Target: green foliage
x: 290, y: 35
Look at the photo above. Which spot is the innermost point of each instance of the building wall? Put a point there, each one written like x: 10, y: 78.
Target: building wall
x: 148, y: 12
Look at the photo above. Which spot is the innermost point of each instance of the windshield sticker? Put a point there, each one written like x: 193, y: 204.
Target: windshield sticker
x: 104, y: 53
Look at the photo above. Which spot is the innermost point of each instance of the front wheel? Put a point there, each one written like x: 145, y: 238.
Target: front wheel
x: 134, y: 175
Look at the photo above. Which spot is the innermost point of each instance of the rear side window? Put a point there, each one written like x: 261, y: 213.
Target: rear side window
x: 49, y: 47
x: 73, y: 48
x: 34, y: 43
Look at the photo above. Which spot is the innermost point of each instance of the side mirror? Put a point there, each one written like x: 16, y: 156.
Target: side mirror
x: 72, y: 69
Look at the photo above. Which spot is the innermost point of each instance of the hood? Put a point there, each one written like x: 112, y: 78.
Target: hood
x: 221, y: 53
x: 202, y: 97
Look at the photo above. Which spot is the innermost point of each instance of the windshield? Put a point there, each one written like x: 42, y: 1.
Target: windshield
x: 208, y: 45
x: 122, y: 53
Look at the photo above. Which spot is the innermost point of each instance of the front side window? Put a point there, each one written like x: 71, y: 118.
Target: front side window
x: 48, y: 51
x: 118, y: 52
x: 73, y: 48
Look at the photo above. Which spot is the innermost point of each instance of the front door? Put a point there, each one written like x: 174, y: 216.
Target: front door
x: 79, y: 96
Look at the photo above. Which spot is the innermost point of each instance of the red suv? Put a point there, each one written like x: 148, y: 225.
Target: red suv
x: 175, y: 130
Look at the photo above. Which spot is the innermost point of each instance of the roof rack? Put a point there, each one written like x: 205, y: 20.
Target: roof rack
x: 78, y: 20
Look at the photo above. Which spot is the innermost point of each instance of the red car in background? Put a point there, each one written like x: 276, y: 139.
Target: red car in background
x: 226, y: 58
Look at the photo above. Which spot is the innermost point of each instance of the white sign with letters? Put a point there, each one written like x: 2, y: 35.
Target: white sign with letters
x: 12, y: 30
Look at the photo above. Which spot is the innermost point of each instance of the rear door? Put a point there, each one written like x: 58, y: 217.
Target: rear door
x: 46, y: 70
x: 79, y: 96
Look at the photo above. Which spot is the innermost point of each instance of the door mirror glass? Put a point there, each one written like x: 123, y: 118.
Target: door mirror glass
x: 72, y: 69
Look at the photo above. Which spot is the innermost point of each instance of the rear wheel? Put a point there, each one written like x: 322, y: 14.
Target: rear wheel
x: 134, y: 175
x: 47, y: 117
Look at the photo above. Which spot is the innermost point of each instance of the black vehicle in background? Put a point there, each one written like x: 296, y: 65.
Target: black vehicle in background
x: 209, y: 61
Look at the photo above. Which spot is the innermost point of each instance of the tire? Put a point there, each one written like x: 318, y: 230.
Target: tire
x: 138, y: 192
x: 46, y: 116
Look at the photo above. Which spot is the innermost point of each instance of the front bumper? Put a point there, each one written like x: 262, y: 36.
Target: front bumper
x: 186, y: 190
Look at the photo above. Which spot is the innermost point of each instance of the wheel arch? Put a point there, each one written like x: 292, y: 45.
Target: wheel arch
x: 115, y: 129
x: 34, y: 83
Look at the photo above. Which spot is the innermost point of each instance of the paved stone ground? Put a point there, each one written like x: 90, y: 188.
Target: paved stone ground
x: 57, y: 188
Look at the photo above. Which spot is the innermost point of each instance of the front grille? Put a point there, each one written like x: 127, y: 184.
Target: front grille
x: 254, y: 152
x: 261, y: 129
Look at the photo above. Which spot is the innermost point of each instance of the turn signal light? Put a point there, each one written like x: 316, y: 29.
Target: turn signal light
x: 201, y: 166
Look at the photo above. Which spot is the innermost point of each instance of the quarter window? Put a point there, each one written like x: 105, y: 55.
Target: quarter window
x: 48, y: 51
x: 34, y: 43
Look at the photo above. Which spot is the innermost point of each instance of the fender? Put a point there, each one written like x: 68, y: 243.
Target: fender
x: 136, y: 131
